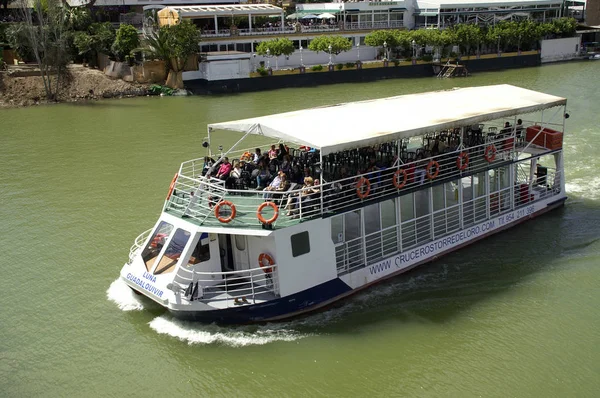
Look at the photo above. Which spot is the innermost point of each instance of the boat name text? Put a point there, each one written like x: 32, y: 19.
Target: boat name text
x: 146, y: 285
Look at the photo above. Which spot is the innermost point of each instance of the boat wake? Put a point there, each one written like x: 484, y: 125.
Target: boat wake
x: 233, y: 336
x: 119, y: 293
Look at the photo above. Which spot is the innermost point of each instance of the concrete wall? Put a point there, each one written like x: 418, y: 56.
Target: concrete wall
x: 560, y: 49
x: 150, y: 72
x: 201, y: 86
x: 313, y: 58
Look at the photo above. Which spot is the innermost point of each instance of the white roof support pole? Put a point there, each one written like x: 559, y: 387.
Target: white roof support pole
x: 216, y: 25
x: 250, y: 23
x: 282, y: 21
x: 209, y: 129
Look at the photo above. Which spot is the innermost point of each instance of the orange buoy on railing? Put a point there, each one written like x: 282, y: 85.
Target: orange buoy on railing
x: 490, y: 153
x: 398, y: 184
x: 359, y: 185
x: 225, y: 220
x: 428, y: 173
x: 462, y: 161
x: 172, y: 186
x: 275, y: 213
x: 267, y: 268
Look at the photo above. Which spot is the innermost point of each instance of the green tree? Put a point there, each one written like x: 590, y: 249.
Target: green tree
x: 388, y: 39
x: 174, y: 44
x: 467, y: 36
x: 276, y: 47
x: 126, y: 40
x: 330, y: 44
x: 565, y: 27
x: 98, y: 39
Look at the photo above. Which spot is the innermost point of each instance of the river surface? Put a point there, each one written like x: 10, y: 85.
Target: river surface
x: 515, y: 315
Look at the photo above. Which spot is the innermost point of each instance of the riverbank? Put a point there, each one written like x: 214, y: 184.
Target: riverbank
x: 81, y: 84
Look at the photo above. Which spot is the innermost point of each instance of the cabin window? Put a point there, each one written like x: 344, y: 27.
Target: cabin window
x: 407, y: 207
x: 300, y: 244
x: 240, y: 242
x: 337, y: 229
x: 372, y: 223
x: 389, y: 232
x: 173, y: 252
x: 201, y: 252
x: 352, y: 227
x: 422, y: 203
x: 479, y: 184
x: 439, y: 201
x: 388, y: 213
x: 156, y: 243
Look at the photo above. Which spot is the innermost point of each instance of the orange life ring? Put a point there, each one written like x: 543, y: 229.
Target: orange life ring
x: 462, y: 161
x: 359, y: 185
x: 266, y: 268
x: 431, y: 164
x: 275, y: 213
x: 172, y: 186
x: 225, y: 220
x: 397, y: 184
x: 490, y: 153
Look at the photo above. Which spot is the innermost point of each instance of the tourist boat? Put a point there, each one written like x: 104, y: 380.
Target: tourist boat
x: 403, y: 181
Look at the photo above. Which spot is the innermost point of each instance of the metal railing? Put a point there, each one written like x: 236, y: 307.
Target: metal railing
x: 196, y: 196
x: 138, y: 244
x: 233, y: 288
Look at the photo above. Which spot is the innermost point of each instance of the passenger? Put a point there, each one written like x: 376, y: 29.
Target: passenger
x: 283, y: 187
x: 282, y: 152
x: 286, y: 164
x: 235, y: 176
x: 208, y: 163
x: 420, y: 170
x: 256, y: 155
x: 262, y: 176
x: 224, y: 169
x: 305, y: 192
x: 296, y: 175
x: 273, y: 186
x: 272, y: 152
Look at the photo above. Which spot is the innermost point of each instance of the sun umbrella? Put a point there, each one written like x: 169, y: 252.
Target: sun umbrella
x: 326, y: 16
x: 310, y: 16
x: 292, y: 16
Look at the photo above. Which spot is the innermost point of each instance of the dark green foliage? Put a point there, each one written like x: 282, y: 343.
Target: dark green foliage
x: 316, y: 68
x: 339, y: 66
x: 350, y: 65
x: 126, y: 40
x: 262, y: 71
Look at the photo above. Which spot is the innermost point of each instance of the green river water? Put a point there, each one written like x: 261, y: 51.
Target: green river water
x: 515, y: 315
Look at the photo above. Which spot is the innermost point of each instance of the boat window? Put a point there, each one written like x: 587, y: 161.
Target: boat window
x: 422, y: 206
x: 388, y: 213
x: 300, y: 244
x: 372, y: 223
x: 439, y: 201
x: 337, y: 229
x: 352, y: 227
x: 407, y: 207
x: 504, y: 175
x: 467, y: 189
x: 451, y: 193
x: 201, y: 252
x: 156, y: 243
x: 479, y: 184
x: 240, y: 242
x: 173, y: 252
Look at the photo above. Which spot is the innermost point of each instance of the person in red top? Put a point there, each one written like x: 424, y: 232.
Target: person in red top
x: 224, y: 169
x: 272, y: 152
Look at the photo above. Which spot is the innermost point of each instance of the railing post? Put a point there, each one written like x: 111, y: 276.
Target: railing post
x: 252, y: 286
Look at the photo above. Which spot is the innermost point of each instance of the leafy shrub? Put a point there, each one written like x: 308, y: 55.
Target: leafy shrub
x: 339, y: 66
x: 427, y: 58
x: 453, y: 54
x: 316, y: 68
x: 262, y: 71
x: 396, y: 62
x: 350, y: 65
x: 126, y: 40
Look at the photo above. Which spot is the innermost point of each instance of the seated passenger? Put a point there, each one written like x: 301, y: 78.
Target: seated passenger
x: 224, y: 169
x: 273, y: 186
x: 262, y: 175
x: 234, y: 176
x: 256, y: 156
x: 272, y: 152
x: 304, y: 194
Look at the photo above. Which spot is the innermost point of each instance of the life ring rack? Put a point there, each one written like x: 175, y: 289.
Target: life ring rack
x: 267, y: 268
x: 225, y: 220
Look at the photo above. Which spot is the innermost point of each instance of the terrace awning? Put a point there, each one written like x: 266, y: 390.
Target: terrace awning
x: 356, y: 124
x: 226, y: 10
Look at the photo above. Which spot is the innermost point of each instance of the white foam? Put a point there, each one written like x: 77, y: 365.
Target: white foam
x: 588, y: 188
x: 195, y: 333
x: 121, y: 294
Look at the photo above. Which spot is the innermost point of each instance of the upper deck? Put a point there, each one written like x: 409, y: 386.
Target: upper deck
x: 448, y: 135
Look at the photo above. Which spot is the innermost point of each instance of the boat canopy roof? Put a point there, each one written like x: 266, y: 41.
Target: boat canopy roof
x: 357, y: 124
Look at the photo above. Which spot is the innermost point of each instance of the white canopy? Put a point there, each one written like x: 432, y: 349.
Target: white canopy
x: 326, y: 15
x: 357, y: 124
